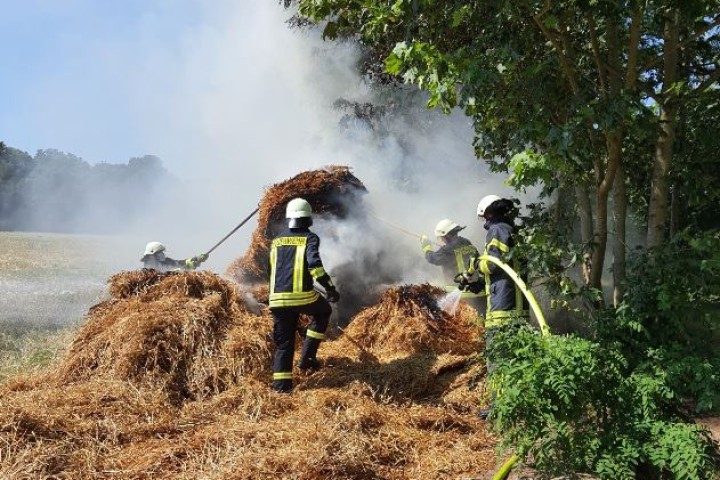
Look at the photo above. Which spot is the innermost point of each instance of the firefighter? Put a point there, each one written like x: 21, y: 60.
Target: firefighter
x: 295, y: 265
x: 454, y: 258
x: 155, y: 258
x: 506, y: 305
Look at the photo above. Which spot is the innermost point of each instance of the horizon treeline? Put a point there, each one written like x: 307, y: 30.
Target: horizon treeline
x: 54, y: 191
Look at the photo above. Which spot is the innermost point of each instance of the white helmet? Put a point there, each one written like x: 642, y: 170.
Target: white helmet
x: 154, y: 247
x: 298, y: 208
x: 485, y: 202
x: 446, y: 226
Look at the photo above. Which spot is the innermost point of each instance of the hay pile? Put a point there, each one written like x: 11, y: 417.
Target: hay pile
x: 169, y: 379
x: 188, y: 333
x: 331, y: 190
x: 408, y: 320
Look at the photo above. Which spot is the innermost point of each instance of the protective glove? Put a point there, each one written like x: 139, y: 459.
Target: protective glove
x: 332, y: 295
x: 463, y: 281
x: 476, y: 286
x: 199, y: 259
x: 425, y: 243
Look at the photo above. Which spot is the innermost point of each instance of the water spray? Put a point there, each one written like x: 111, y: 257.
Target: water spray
x: 450, y: 301
x: 403, y: 230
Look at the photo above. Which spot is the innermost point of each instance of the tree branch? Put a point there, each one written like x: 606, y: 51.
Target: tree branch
x: 704, y: 28
x: 596, y: 53
x: 712, y: 78
x: 565, y: 62
x: 633, y: 48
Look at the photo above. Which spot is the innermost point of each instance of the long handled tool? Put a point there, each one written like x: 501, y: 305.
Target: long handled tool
x: 401, y: 229
x: 233, y: 231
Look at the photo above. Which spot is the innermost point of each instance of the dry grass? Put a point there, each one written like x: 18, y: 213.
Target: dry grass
x: 169, y: 379
x: 48, y: 280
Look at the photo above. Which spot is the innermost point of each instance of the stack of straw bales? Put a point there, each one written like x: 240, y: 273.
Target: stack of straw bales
x: 331, y: 190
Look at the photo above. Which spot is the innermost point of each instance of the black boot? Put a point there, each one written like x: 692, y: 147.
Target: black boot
x: 308, y: 355
x: 282, y: 386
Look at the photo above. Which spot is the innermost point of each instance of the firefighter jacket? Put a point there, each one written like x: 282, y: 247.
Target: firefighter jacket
x: 505, y: 300
x: 454, y: 257
x: 168, y: 264
x: 294, y: 266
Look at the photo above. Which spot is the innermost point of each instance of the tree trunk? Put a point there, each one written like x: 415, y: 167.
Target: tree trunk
x: 674, y: 211
x: 620, y: 241
x: 614, y: 149
x: 659, y: 189
x: 586, y: 229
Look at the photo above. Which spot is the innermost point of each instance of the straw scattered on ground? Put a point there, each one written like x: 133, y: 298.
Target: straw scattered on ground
x: 170, y: 379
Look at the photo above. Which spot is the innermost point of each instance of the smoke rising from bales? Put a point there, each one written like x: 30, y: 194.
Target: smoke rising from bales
x: 233, y: 101
x: 270, y: 115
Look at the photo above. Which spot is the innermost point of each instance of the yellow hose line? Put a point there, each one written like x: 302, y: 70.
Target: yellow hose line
x: 523, y: 288
x: 505, y: 469
x: 510, y: 463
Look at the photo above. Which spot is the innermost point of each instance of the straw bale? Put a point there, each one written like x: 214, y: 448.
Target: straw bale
x: 321, y: 434
x: 406, y: 348
x: 330, y: 190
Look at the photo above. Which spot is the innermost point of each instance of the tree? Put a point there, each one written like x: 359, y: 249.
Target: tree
x: 555, y: 88
x: 15, y: 165
x: 604, y: 105
x: 58, y: 191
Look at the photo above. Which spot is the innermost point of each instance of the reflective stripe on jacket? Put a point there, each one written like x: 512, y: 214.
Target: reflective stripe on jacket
x: 505, y: 299
x: 294, y: 265
x: 454, y: 257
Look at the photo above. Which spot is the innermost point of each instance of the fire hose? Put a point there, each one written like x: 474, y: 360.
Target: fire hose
x: 401, y: 229
x: 545, y: 330
x: 247, y: 219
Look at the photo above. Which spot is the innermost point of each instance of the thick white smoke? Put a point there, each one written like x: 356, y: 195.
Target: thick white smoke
x: 252, y: 105
x: 235, y: 101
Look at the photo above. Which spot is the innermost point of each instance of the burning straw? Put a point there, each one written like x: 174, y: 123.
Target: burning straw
x: 330, y: 190
x: 408, y: 320
x: 169, y: 379
x: 407, y: 348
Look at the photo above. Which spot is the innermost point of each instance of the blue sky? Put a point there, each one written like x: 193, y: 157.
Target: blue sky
x: 64, y: 65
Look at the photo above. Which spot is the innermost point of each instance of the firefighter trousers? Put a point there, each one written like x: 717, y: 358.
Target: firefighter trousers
x: 285, y: 321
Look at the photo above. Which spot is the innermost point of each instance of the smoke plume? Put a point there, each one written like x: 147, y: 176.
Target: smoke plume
x: 233, y: 100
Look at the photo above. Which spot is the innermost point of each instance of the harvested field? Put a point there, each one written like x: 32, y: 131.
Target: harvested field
x: 330, y: 191
x: 169, y: 379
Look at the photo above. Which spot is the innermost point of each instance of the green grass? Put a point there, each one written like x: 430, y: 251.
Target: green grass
x: 30, y: 350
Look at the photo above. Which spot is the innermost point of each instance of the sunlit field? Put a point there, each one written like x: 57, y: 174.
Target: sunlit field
x: 47, y: 284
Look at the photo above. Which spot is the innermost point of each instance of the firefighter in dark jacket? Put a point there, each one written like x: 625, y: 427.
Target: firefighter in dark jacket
x: 506, y: 305
x: 454, y: 257
x: 295, y: 265
x: 155, y: 258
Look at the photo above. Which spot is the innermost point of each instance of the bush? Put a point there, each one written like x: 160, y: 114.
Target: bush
x: 577, y: 406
